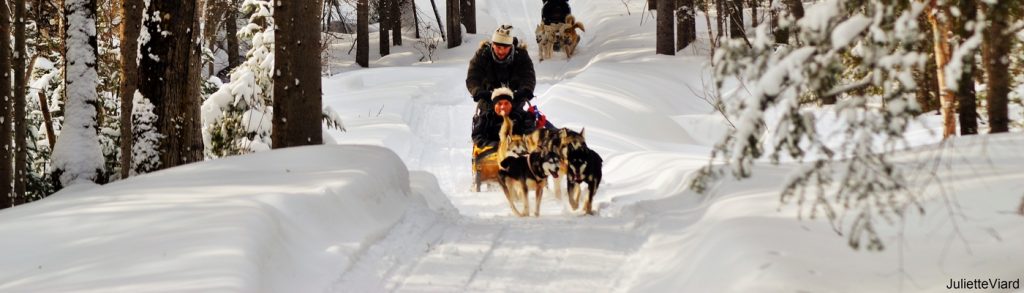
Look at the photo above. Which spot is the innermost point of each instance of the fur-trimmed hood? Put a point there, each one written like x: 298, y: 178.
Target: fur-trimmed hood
x: 502, y: 91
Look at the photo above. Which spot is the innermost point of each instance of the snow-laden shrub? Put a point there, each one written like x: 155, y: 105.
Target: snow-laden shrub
x: 237, y: 117
x: 145, y: 147
x: 854, y: 180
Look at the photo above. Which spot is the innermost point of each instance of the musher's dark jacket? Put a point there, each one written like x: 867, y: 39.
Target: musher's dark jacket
x: 486, y: 74
x: 554, y: 11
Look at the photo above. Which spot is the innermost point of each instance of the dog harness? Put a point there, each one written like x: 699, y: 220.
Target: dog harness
x: 529, y: 166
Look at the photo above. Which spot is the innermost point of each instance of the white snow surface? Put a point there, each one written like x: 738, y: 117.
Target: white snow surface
x: 389, y: 209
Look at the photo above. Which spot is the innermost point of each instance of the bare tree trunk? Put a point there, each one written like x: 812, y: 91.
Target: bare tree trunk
x: 131, y: 24
x: 720, y: 16
x: 940, y: 38
x: 384, y: 22
x: 665, y: 30
x: 753, y: 13
x: 51, y: 136
x: 169, y: 78
x: 686, y: 24
x: 736, y: 19
x: 965, y: 91
x: 231, y: 34
x: 6, y: 112
x: 997, y: 67
x: 468, y: 10
x: 297, y: 88
x: 363, y: 33
x: 437, y: 16
x: 927, y: 94
x: 796, y: 9
x: 454, y: 24
x: 20, y: 83
x: 396, y: 22
x: 415, y: 19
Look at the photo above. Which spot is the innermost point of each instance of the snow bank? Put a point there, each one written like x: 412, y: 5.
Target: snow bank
x: 738, y: 238
x: 284, y: 221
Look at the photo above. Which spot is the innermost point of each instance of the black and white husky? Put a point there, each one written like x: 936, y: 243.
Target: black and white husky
x: 520, y: 174
x: 583, y: 166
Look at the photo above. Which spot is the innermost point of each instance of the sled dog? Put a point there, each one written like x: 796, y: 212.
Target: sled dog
x: 518, y: 175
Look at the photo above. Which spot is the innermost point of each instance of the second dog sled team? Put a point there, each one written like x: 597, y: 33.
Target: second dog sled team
x: 517, y: 147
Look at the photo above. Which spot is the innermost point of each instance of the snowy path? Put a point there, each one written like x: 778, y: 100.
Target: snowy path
x: 426, y: 253
x: 483, y: 248
x: 647, y: 117
x: 390, y: 209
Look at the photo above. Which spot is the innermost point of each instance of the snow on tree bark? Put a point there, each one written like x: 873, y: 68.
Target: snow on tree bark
x: 962, y: 66
x: 131, y: 24
x: 169, y: 71
x: 77, y: 156
x: 297, y: 88
x: 939, y: 17
x: 20, y: 127
x: 998, y: 65
x: 686, y: 23
x: 6, y: 111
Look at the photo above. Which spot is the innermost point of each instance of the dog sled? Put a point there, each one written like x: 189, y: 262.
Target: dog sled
x: 485, y: 165
x: 486, y: 158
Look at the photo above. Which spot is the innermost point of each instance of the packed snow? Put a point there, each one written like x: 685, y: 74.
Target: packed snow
x: 390, y: 208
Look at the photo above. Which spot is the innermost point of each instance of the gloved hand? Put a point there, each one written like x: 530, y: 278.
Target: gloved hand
x: 522, y: 96
x: 482, y: 95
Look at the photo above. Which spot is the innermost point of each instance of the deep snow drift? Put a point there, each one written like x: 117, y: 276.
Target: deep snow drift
x: 390, y: 209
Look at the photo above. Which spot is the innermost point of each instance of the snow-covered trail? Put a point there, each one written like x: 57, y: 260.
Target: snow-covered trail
x: 423, y: 112
x: 646, y: 115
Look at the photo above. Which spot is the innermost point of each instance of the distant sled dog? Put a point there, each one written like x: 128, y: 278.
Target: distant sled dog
x: 568, y: 37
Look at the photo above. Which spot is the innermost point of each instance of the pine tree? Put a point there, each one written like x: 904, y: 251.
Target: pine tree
x: 396, y: 21
x: 77, y: 156
x: 20, y: 127
x: 297, y: 89
x: 736, y: 19
x: 939, y: 17
x: 454, y: 23
x: 665, y: 39
x: 384, y: 21
x: 231, y: 28
x: 796, y: 10
x: 6, y: 113
x: 236, y: 118
x: 131, y: 23
x: 686, y: 23
x: 966, y: 97
x: 169, y: 71
x: 997, y: 44
x: 363, y: 33
x: 468, y: 16
x: 855, y: 176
